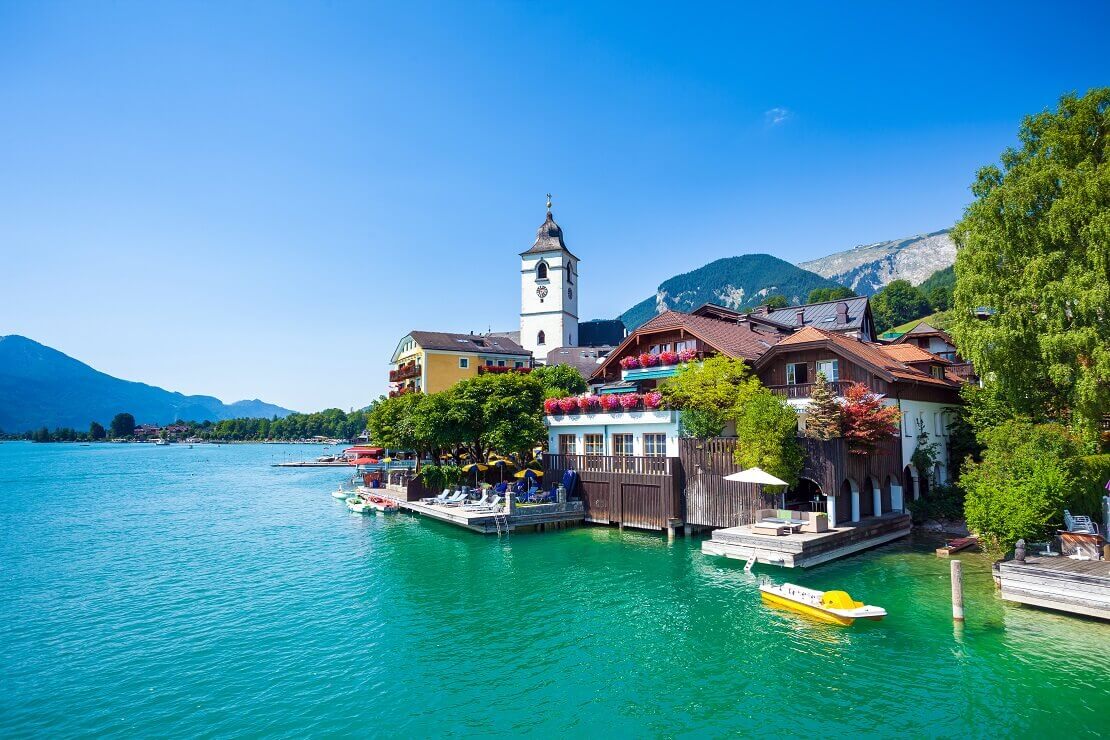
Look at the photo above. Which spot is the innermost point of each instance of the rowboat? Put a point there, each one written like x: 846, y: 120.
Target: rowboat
x: 381, y: 505
x: 836, y: 607
x: 339, y: 493
x: 960, y: 543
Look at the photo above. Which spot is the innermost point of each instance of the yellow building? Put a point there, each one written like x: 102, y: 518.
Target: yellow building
x: 433, y: 361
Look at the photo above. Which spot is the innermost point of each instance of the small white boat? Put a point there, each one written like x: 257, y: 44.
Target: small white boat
x: 340, y: 494
x: 828, y: 606
x: 161, y: 442
x: 382, y: 505
x: 358, y: 506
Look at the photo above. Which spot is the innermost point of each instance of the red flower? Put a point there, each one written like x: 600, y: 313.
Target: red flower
x: 648, y: 360
x: 568, y: 405
x: 653, y: 400
x: 630, y: 401
x: 668, y: 358
x: 686, y: 355
x: 588, y: 403
x: 610, y: 402
x: 629, y: 363
x: 551, y: 406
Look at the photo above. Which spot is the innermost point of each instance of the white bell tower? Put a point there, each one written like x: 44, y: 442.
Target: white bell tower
x: 548, y: 292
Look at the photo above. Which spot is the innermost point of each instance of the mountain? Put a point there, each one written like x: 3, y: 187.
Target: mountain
x: 868, y: 267
x: 736, y: 282
x: 40, y: 386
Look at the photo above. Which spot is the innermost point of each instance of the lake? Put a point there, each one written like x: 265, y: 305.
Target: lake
x: 200, y: 592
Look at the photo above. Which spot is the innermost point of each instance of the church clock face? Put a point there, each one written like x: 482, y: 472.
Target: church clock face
x: 542, y: 291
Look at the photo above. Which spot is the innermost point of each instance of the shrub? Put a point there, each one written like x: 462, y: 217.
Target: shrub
x: 1028, y: 474
x: 668, y: 358
x: 630, y: 363
x: 551, y: 406
x: 629, y: 401
x: 569, y: 405
x: 1088, y: 499
x: 610, y: 402
x: 653, y: 400
x: 942, y: 502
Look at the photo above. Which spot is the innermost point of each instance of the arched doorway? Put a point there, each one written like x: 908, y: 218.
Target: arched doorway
x: 887, y: 495
x: 867, y: 498
x: 806, y: 496
x: 845, y: 511
x: 910, y: 489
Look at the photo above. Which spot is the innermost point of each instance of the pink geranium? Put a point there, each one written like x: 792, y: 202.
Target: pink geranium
x: 668, y: 358
x: 610, y: 402
x: 653, y: 400
x: 630, y: 401
x: 551, y: 406
x: 686, y: 355
x: 629, y: 363
x: 648, y: 360
x: 588, y: 403
x: 569, y: 405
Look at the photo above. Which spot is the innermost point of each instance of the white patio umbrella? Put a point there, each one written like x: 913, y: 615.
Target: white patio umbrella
x: 761, y: 478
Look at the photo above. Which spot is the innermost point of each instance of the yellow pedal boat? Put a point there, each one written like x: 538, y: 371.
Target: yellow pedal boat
x: 828, y: 606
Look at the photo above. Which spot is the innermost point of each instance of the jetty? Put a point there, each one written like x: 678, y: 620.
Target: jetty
x: 1059, y: 583
x: 806, y: 549
x: 314, y: 464
x: 524, y: 518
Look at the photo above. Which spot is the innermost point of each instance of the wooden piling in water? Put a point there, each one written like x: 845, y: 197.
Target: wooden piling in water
x: 957, y: 591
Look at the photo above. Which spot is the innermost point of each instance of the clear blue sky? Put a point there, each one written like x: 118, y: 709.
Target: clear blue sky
x: 260, y: 199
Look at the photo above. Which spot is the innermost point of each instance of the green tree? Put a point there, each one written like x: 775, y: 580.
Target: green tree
x: 1019, y: 490
x: 42, y: 434
x: 1034, y: 252
x: 898, y: 303
x: 776, y: 301
x: 823, y: 416
x: 767, y: 434
x: 123, y: 425
x: 96, y: 431
x: 821, y: 295
x: 391, y: 422
x: 559, y: 381
x: 707, y: 392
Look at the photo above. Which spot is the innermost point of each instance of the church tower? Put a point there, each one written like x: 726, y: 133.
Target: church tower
x: 548, y: 292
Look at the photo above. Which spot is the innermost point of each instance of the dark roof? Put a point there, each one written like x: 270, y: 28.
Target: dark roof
x: 600, y: 332
x: 468, y: 343
x: 584, y: 359
x: 820, y: 315
x: 549, y: 238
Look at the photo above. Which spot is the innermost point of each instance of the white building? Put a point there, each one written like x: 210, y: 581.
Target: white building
x: 548, y: 292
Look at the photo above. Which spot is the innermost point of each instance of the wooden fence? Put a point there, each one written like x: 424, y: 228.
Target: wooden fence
x: 712, y: 501
x: 643, y: 492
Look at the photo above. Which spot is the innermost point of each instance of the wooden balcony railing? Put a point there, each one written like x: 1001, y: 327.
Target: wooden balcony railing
x: 805, y: 390
x: 964, y: 371
x: 404, y: 373
x: 611, y: 464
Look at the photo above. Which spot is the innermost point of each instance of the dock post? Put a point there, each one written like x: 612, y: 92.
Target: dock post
x: 957, y: 591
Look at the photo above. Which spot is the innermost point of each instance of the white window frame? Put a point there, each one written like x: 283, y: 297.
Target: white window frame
x: 568, y: 449
x: 792, y: 373
x: 835, y: 375
x: 655, y: 444
x: 623, y: 436
x: 464, y: 363
x: 593, y: 444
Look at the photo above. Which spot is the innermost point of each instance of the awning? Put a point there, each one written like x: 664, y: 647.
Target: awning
x: 620, y: 386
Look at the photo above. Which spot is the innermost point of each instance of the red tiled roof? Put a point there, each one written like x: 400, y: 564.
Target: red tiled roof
x: 912, y: 353
x: 727, y: 337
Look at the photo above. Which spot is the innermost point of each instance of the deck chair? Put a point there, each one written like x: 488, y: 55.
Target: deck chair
x: 457, y: 500
x: 441, y: 498
x: 490, y: 505
x: 479, y: 503
x: 1079, y: 523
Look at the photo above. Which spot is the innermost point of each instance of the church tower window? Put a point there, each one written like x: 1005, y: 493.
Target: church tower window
x: 541, y: 271
x: 540, y: 338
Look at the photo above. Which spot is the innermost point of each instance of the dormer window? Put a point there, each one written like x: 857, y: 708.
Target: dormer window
x: 541, y: 271
x: 938, y: 371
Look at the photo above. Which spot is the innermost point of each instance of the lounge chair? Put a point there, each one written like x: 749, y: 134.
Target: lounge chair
x: 480, y: 502
x: 441, y: 498
x: 1079, y: 523
x: 492, y: 505
x: 457, y: 500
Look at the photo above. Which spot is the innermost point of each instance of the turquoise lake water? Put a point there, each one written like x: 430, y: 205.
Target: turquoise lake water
x: 200, y: 592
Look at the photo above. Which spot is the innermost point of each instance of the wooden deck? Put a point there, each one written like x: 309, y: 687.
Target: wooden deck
x: 1060, y: 583
x: 524, y: 518
x: 807, y: 549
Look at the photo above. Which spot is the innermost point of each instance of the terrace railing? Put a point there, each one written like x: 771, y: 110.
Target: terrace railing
x: 404, y: 373
x: 632, y: 465
x: 805, y: 390
x: 964, y: 371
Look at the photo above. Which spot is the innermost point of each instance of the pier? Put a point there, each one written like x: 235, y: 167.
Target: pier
x: 807, y: 549
x: 531, y: 518
x: 1059, y: 583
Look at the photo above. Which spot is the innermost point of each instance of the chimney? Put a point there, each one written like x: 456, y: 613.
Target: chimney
x: 760, y: 310
x: 801, y: 317
x: 842, y: 313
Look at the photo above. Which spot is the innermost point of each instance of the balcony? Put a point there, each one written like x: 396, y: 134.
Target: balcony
x: 499, y: 369
x: 964, y: 371
x: 404, y: 373
x: 634, y: 465
x: 805, y: 390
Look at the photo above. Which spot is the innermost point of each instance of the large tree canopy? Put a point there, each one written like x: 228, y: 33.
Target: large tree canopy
x: 707, y: 392
x: 1034, y: 258
x: 898, y: 303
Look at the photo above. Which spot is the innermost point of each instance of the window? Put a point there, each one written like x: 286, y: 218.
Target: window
x: 518, y: 363
x: 568, y: 444
x: 831, y: 369
x: 655, y: 445
x: 622, y: 444
x: 500, y: 363
x: 541, y: 271
x: 938, y: 371
x: 464, y: 363
x: 797, y: 373
x: 540, y: 338
x: 570, y: 274
x: 657, y: 348
x: 489, y: 363
x: 685, y: 344
x: 906, y: 424
x: 593, y: 444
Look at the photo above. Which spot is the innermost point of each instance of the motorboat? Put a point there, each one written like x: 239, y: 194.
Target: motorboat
x: 381, y: 505
x: 358, y: 506
x: 836, y: 607
x: 339, y: 493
